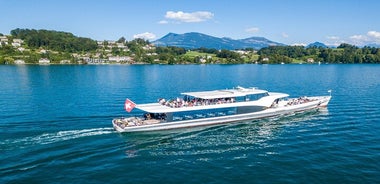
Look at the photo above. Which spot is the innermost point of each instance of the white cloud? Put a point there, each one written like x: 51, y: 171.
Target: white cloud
x: 181, y: 16
x: 369, y: 38
x: 358, y: 39
x: 146, y: 36
x: 163, y: 22
x: 332, y: 37
x: 299, y: 44
x: 284, y: 35
x: 335, y: 43
x: 252, y: 30
x: 374, y: 34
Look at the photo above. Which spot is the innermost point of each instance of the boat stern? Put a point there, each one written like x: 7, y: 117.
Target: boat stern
x: 121, y: 124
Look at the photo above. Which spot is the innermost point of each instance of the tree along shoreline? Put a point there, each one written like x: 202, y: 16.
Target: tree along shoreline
x: 25, y: 46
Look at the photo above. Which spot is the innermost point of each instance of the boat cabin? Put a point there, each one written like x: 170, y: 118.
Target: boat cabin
x: 206, y: 104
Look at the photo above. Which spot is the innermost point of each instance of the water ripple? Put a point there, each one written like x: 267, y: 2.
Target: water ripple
x: 49, y: 138
x: 239, y: 137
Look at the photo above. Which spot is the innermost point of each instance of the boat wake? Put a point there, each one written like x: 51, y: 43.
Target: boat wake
x: 49, y: 138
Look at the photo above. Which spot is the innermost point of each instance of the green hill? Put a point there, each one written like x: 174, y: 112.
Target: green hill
x: 54, y: 40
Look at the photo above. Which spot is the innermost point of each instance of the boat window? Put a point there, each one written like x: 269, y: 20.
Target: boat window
x: 177, y: 116
x: 240, y: 99
x: 255, y: 96
x: 161, y: 116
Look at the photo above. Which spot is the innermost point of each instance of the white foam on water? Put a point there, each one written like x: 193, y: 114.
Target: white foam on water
x: 48, y: 138
x: 29, y: 167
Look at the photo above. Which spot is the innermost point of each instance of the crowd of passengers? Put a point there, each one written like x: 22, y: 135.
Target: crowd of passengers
x: 179, y: 102
x: 299, y: 100
x: 294, y: 101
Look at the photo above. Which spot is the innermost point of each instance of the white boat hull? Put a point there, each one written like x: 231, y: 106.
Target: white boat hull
x: 320, y: 102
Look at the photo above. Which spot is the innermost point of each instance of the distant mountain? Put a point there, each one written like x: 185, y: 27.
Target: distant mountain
x: 259, y: 42
x: 317, y: 44
x: 197, y: 40
x: 373, y: 45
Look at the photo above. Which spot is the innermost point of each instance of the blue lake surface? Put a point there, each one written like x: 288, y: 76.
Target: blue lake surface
x: 55, y: 126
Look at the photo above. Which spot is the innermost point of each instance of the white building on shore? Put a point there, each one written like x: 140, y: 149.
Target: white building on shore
x: 119, y: 59
x: 44, y: 61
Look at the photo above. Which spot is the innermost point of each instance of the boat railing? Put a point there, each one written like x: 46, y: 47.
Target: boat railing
x: 179, y: 102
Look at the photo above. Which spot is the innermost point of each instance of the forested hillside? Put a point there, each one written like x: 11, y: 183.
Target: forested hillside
x: 54, y: 40
x: 345, y: 53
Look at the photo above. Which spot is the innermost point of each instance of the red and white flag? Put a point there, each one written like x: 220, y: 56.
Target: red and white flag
x: 129, y: 105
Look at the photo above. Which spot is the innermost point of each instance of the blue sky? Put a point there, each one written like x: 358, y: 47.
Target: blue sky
x: 286, y: 21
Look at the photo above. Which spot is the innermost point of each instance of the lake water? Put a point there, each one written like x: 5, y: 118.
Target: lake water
x: 55, y: 126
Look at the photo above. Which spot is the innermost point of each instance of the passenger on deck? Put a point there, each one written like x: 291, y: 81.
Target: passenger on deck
x: 162, y: 101
x: 147, y: 116
x: 188, y: 102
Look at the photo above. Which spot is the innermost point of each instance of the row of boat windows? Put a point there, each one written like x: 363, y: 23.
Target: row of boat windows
x: 177, y: 116
x: 203, y: 114
x: 188, y: 101
x: 159, y: 116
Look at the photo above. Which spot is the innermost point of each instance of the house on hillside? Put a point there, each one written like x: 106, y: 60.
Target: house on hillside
x: 18, y: 41
x: 14, y: 44
x: 120, y: 45
x: 65, y: 62
x: 310, y: 60
x: 3, y: 40
x: 44, y: 61
x: 19, y: 62
x: 119, y: 58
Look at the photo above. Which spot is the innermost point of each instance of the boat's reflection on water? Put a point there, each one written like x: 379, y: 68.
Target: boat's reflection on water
x: 217, y: 138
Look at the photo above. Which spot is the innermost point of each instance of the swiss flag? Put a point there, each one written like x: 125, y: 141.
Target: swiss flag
x: 129, y: 105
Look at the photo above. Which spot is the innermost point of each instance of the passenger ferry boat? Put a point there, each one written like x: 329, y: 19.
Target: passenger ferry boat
x: 214, y: 107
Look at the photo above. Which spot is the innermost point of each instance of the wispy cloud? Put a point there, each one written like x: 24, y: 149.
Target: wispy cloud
x: 252, y: 30
x: 163, y: 22
x: 146, y: 36
x: 299, y: 44
x: 180, y: 16
x: 374, y: 34
x: 334, y: 41
x: 332, y: 37
x: 358, y: 39
x: 370, y: 37
x: 284, y: 35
